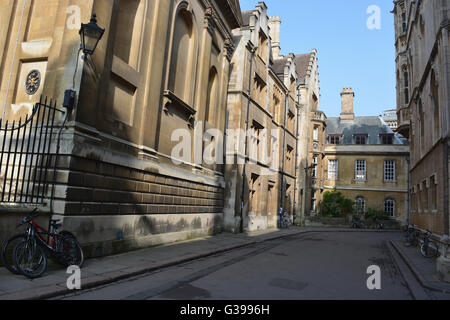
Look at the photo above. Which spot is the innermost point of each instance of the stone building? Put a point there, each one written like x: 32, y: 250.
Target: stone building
x: 309, y: 116
x: 423, y: 98
x: 161, y: 66
x: 311, y: 146
x: 261, y: 102
x: 366, y: 161
x: 174, y: 91
x: 315, y: 166
x: 390, y: 117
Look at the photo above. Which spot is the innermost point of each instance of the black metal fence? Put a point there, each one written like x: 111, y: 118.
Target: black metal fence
x: 27, y: 153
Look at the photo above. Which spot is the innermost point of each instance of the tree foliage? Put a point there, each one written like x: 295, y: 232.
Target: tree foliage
x: 377, y: 214
x: 335, y: 205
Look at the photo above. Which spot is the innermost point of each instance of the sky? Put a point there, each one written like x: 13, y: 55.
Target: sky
x: 350, y: 54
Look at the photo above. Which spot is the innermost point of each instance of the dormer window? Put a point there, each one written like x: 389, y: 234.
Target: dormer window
x: 387, y: 138
x: 361, y: 138
x: 334, y: 139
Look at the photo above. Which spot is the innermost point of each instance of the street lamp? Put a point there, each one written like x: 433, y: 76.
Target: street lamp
x: 90, y: 35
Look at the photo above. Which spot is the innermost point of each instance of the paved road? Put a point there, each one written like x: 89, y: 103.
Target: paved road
x: 311, y: 266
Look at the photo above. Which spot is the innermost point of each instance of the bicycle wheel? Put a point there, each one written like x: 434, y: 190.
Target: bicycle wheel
x: 429, y: 251
x: 30, y: 259
x: 70, y: 251
x: 412, y: 240
x: 8, y: 250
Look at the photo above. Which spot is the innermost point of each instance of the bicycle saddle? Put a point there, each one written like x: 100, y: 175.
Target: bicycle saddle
x: 56, y: 223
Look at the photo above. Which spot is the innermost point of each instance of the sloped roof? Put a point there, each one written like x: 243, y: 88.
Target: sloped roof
x: 278, y: 66
x: 372, y: 126
x: 302, y: 63
x: 246, y: 17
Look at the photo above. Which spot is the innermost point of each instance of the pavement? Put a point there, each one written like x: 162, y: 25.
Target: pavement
x: 423, y: 269
x: 107, y: 270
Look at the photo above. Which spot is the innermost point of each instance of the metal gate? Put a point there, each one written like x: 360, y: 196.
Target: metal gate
x: 28, y: 151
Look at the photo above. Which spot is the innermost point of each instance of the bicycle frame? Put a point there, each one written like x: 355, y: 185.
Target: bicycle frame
x: 35, y: 229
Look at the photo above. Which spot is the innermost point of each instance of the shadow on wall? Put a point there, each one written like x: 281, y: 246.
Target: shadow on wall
x: 115, y: 208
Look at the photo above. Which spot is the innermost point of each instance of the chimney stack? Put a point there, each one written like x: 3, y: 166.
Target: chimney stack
x: 275, y: 26
x: 347, y: 112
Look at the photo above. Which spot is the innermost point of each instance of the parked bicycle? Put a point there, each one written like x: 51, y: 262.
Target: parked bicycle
x: 411, y: 237
x: 429, y: 249
x: 377, y: 225
x: 285, y: 221
x: 31, y: 249
x: 357, y: 223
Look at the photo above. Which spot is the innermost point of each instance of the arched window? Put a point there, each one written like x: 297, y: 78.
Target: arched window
x: 212, y: 97
x: 389, y: 207
x: 182, y: 62
x: 360, y: 205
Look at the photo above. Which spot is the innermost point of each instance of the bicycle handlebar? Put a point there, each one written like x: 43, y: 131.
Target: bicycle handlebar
x: 25, y: 220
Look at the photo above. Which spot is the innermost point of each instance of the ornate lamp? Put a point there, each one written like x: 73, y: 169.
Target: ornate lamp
x: 90, y: 35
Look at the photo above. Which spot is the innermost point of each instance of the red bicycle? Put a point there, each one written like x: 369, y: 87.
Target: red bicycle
x: 29, y: 256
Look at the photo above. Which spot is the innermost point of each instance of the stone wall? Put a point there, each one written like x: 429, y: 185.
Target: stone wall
x: 112, y: 208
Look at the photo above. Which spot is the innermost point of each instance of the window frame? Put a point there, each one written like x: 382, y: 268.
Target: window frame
x: 392, y: 170
x: 316, y: 133
x: 392, y: 204
x: 358, y: 201
x: 384, y: 139
x: 335, y: 139
x: 333, y: 171
x: 358, y: 176
x: 361, y: 136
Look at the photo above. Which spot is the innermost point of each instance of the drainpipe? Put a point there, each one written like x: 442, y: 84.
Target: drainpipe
x: 284, y: 155
x: 446, y: 188
x: 252, y: 50
x: 445, y: 44
x: 296, y: 153
x: 408, y: 200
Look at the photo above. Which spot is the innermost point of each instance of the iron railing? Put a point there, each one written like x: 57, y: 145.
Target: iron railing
x: 27, y: 153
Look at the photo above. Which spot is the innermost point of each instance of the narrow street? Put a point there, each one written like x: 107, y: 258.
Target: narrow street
x: 304, y: 267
